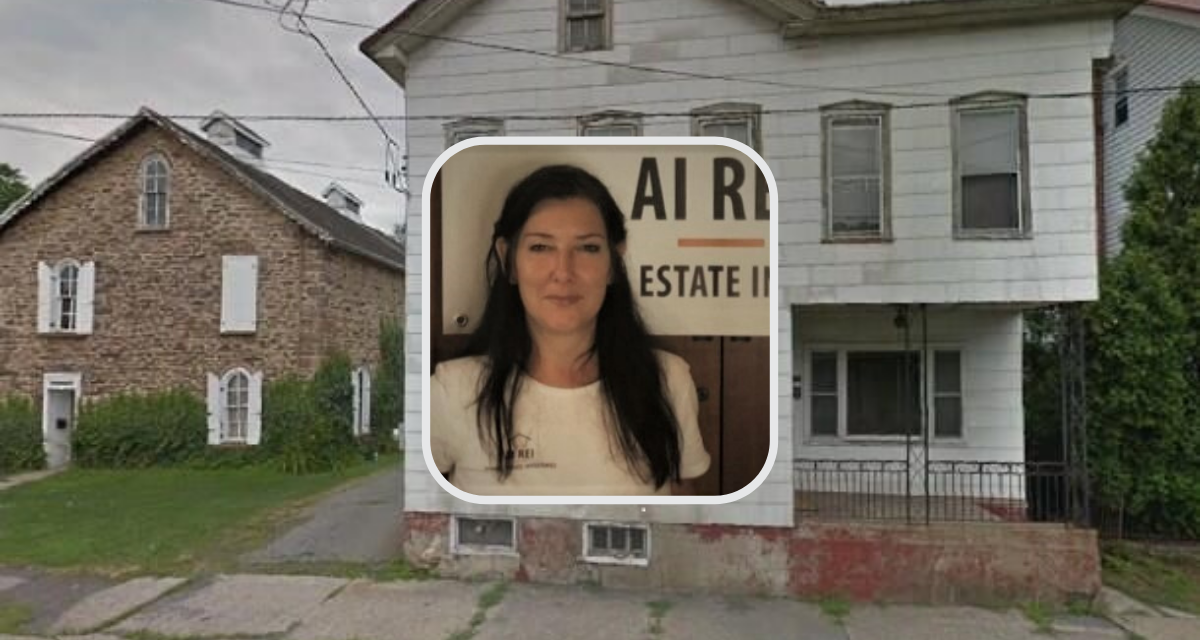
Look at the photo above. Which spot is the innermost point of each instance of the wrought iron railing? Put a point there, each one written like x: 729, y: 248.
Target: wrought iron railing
x: 934, y: 491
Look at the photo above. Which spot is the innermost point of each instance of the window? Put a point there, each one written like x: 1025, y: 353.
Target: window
x: 467, y: 128
x: 484, y: 535
x: 611, y: 124
x: 235, y: 407
x: 616, y: 543
x: 586, y: 25
x: 735, y: 120
x: 856, y: 165
x: 155, y: 192
x: 1121, y: 96
x: 65, y: 297
x: 991, y: 187
x: 876, y: 393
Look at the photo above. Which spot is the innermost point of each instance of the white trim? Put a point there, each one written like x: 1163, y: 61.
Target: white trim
x: 426, y: 318
x: 55, y: 382
x: 842, y: 350
x: 223, y: 416
x: 457, y: 548
x: 587, y: 542
x: 152, y: 157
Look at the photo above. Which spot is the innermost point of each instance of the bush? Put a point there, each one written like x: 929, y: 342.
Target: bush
x: 333, y: 390
x: 141, y: 430
x: 387, y: 392
x: 20, y: 437
x: 302, y: 430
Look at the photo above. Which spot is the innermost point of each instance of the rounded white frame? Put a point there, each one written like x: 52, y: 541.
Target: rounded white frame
x: 426, y: 289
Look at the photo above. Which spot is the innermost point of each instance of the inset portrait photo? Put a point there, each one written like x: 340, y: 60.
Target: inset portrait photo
x: 599, y: 320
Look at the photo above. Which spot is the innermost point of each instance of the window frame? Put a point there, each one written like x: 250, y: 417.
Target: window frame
x: 590, y: 555
x: 56, y: 297
x: 226, y: 387
x: 747, y: 113
x: 564, y: 26
x: 457, y: 547
x: 1120, y: 96
x: 472, y: 128
x: 926, y: 357
x: 982, y: 103
x: 609, y: 119
x: 144, y: 193
x: 857, y: 109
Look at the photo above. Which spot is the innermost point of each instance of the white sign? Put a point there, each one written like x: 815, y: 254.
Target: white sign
x: 698, y: 251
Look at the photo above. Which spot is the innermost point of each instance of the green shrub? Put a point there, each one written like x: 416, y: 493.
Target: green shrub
x: 333, y: 390
x: 20, y: 436
x: 387, y: 390
x: 141, y: 430
x: 299, y: 433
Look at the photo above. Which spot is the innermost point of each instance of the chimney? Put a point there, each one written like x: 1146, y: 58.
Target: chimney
x: 346, y: 203
x: 234, y: 137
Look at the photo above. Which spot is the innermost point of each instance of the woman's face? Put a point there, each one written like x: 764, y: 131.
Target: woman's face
x: 563, y: 267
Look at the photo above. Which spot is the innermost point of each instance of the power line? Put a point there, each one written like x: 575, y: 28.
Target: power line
x: 303, y: 118
x: 44, y: 132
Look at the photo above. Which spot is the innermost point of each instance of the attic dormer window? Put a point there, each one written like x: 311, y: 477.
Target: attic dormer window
x: 244, y: 142
x: 156, y: 182
x: 586, y: 25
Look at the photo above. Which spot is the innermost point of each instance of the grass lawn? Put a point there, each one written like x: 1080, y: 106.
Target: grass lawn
x: 1155, y: 575
x: 156, y: 521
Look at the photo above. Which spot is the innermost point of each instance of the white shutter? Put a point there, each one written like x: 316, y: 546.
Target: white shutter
x: 366, y: 401
x: 87, y: 297
x: 356, y: 381
x: 214, y: 409
x: 254, y: 417
x: 239, y: 294
x: 45, y: 294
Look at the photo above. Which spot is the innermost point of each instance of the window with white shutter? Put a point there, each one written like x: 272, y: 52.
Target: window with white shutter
x: 66, y: 294
x: 239, y: 294
x: 361, y: 379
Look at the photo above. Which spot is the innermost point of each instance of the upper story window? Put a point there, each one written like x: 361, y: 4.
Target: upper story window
x: 65, y: 297
x: 611, y: 124
x: 735, y: 120
x: 991, y: 167
x: 156, y: 183
x: 856, y: 163
x: 467, y: 128
x: 585, y: 25
x: 1121, y: 97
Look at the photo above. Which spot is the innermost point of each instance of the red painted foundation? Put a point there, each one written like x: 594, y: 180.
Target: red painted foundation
x: 982, y: 563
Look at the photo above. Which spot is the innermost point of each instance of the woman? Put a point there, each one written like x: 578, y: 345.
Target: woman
x: 561, y: 392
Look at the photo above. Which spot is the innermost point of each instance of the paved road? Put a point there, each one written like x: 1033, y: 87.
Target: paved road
x: 359, y: 523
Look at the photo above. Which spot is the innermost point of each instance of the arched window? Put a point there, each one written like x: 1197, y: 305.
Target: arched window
x: 236, y: 414
x: 156, y: 187
x: 65, y: 304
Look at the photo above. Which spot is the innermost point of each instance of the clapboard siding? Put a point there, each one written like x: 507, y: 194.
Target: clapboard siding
x: 1157, y: 53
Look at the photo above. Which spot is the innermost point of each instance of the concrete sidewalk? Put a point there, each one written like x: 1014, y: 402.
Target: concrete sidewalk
x: 325, y: 608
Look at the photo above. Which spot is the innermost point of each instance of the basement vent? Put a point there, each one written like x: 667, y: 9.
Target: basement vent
x: 484, y: 535
x: 616, y: 543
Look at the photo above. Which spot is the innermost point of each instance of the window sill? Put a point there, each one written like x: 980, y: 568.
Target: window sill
x: 152, y: 230
x: 63, y: 334
x: 239, y: 332
x: 960, y: 234
x: 857, y: 240
x: 628, y: 562
x: 233, y: 446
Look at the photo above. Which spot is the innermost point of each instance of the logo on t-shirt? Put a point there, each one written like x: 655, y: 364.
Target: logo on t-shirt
x: 522, y: 446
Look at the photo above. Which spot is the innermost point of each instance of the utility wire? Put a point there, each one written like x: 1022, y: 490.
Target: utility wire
x: 44, y: 132
x: 31, y: 115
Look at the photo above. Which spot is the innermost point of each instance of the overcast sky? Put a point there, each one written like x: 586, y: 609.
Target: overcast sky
x: 191, y: 57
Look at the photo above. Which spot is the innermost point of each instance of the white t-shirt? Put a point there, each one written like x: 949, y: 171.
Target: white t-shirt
x: 562, y: 443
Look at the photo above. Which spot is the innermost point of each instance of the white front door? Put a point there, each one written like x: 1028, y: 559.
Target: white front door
x: 60, y: 393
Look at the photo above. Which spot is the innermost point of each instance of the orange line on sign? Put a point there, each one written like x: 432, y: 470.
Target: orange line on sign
x: 750, y: 243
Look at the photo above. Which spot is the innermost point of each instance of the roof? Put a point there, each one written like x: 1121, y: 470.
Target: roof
x: 391, y: 45
x: 314, y: 216
x: 1190, y: 6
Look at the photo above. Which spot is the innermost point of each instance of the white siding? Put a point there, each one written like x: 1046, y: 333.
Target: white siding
x: 1156, y: 53
x: 990, y: 343
x: 922, y: 264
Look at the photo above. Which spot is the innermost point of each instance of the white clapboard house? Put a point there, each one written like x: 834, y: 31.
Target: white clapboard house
x: 937, y: 177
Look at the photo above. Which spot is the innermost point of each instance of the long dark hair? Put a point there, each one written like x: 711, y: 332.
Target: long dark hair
x: 631, y: 378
